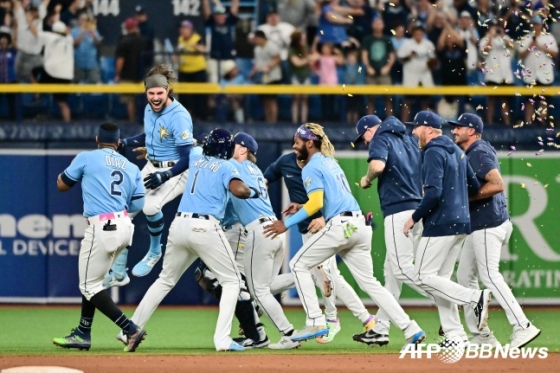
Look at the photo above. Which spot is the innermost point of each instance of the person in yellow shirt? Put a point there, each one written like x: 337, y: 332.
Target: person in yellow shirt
x: 192, y: 67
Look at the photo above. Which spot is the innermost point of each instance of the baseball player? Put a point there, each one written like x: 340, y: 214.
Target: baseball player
x: 491, y: 230
x: 168, y: 140
x: 196, y: 232
x: 111, y: 187
x: 262, y: 257
x: 394, y: 159
x: 447, y: 180
x: 345, y: 233
x: 288, y: 167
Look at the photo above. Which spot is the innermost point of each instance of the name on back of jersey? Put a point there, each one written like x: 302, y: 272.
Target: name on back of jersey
x: 330, y: 163
x: 254, y: 170
x: 212, y: 165
x: 115, y: 162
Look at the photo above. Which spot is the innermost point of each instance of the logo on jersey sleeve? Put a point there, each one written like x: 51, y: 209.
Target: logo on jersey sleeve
x: 235, y: 172
x: 163, y: 133
x: 185, y: 135
x: 307, y: 182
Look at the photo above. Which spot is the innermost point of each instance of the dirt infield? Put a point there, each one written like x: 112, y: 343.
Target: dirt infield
x: 281, y: 363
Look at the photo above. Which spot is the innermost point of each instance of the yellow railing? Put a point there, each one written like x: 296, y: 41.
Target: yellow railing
x: 207, y: 88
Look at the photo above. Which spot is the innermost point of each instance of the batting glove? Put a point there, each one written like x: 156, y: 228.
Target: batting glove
x: 154, y: 181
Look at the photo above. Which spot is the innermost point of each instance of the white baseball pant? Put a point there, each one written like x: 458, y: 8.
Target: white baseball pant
x: 236, y: 237
x: 433, y: 265
x: 480, y: 258
x: 355, y: 251
x: 191, y: 238
x: 263, y: 259
x: 99, y: 249
x: 398, y: 267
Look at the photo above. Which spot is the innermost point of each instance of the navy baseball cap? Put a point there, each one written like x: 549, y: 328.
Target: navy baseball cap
x: 468, y: 120
x: 246, y: 140
x: 426, y: 118
x: 364, y: 123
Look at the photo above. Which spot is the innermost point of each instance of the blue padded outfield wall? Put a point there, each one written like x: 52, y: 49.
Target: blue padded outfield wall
x: 41, y: 228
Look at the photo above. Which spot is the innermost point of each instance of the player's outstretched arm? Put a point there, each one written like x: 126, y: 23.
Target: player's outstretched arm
x: 138, y: 140
x: 62, y: 186
x: 239, y: 189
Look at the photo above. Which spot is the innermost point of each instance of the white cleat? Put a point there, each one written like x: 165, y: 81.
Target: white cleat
x: 522, y: 337
x: 285, y: 343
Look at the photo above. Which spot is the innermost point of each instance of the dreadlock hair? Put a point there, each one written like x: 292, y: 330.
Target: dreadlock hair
x: 324, y: 144
x: 166, y: 71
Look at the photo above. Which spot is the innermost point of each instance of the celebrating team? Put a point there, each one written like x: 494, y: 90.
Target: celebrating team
x: 425, y: 184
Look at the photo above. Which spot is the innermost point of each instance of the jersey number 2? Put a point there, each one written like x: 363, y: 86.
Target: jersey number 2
x: 118, y: 179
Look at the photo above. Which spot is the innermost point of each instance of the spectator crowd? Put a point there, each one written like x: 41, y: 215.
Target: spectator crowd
x: 413, y: 43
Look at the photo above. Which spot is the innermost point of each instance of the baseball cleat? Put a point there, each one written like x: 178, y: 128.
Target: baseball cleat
x: 334, y: 328
x: 484, y: 339
x: 122, y: 337
x: 481, y: 308
x: 440, y: 331
x: 309, y: 332
x: 145, y: 266
x: 135, y: 339
x: 327, y: 284
x: 74, y: 340
x: 115, y: 279
x: 234, y: 346
x: 522, y: 337
x: 416, y: 338
x: 248, y: 343
x: 371, y: 338
x: 285, y: 343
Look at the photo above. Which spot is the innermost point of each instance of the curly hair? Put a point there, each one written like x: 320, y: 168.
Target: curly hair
x: 166, y: 71
x: 324, y: 144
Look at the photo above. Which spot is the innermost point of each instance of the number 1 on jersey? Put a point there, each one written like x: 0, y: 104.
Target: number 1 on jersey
x: 194, y: 181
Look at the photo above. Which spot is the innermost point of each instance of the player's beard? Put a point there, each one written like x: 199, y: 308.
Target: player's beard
x: 160, y: 108
x: 302, y: 154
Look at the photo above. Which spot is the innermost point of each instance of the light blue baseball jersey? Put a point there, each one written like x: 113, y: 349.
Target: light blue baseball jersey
x: 207, y: 185
x: 167, y: 130
x: 324, y: 173
x: 230, y: 217
x: 109, y: 181
x: 249, y: 210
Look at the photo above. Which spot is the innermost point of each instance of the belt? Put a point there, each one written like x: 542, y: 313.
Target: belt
x: 106, y: 217
x: 355, y: 214
x: 163, y: 164
x: 252, y: 225
x: 194, y: 215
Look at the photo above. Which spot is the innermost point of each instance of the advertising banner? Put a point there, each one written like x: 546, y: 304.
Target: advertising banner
x: 530, y: 263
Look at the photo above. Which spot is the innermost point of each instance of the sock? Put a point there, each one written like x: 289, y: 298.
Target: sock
x: 105, y: 304
x: 368, y: 320
x: 155, y: 226
x: 86, y: 318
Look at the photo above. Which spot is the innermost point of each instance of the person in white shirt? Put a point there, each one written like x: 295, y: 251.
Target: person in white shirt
x: 469, y: 33
x: 418, y: 58
x: 497, y: 47
x: 29, y: 24
x: 279, y: 33
x: 539, y: 51
x: 59, y: 63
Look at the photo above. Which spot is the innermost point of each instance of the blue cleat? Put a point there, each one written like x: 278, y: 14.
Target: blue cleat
x: 310, y: 332
x: 234, y: 346
x: 417, y: 338
x: 145, y: 266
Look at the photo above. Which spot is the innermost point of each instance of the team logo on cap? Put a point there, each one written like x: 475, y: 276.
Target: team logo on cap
x: 307, y: 182
x: 185, y: 135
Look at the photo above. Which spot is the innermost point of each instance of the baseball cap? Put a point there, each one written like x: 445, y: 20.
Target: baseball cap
x: 468, y: 120
x: 364, y: 123
x: 219, y: 10
x: 246, y: 140
x: 187, y: 23
x: 130, y: 23
x: 464, y: 13
x: 139, y: 9
x: 426, y: 118
x: 59, y: 27
x: 536, y: 20
x: 259, y: 34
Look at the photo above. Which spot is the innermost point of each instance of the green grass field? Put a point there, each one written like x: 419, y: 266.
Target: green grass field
x: 171, y: 331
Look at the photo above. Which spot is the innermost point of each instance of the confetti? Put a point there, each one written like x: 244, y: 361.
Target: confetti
x: 352, y: 144
x: 393, y: 32
x: 358, y: 185
x: 350, y: 95
x: 545, y: 186
x: 350, y: 17
x: 480, y: 107
x: 529, y: 165
x: 522, y: 185
x: 512, y: 148
x: 321, y: 32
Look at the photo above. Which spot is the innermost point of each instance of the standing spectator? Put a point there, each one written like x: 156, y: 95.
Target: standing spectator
x: 517, y: 19
x: 148, y: 35
x: 485, y: 15
x: 232, y: 75
x: 244, y: 48
x: 221, y: 23
x: 394, y: 16
x: 86, y: 39
x: 397, y: 40
x: 59, y: 63
x: 7, y: 70
x: 296, y: 12
x: 70, y: 15
x: 6, y: 16
x: 266, y: 70
x: 418, y: 57
x: 53, y: 15
x: 353, y: 75
x: 327, y: 63
x: 298, y: 55
x: 423, y: 13
x: 452, y: 56
x: 29, y: 24
x: 361, y: 26
x: 333, y: 21
x: 192, y: 67
x: 469, y: 33
x: 539, y: 52
x: 279, y: 33
x: 378, y: 57
x: 497, y: 48
x: 128, y: 63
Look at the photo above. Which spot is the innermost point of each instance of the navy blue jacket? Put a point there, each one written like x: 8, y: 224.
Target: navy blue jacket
x: 286, y: 166
x: 489, y: 212
x: 400, y: 185
x: 448, y: 181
